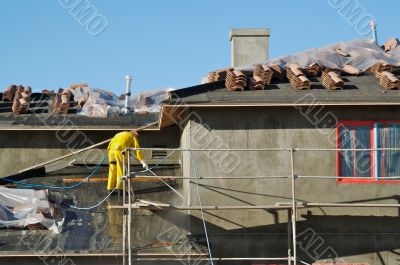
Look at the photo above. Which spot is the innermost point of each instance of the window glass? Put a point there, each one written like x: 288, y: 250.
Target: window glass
x: 355, y: 163
x: 387, y: 161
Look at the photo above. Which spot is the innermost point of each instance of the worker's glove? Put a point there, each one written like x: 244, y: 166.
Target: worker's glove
x: 144, y: 164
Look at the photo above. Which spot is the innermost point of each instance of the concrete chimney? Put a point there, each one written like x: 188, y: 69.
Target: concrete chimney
x: 249, y: 46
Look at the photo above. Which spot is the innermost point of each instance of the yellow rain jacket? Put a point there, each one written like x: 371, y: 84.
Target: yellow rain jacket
x: 120, y: 141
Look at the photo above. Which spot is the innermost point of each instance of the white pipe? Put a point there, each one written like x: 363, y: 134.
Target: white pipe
x: 373, y: 29
x: 127, y: 108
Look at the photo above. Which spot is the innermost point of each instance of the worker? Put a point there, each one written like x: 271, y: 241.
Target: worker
x: 120, y: 142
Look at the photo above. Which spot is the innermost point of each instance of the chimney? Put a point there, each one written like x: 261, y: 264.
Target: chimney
x: 249, y: 46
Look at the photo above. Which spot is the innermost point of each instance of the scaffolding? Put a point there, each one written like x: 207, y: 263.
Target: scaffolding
x: 128, y: 201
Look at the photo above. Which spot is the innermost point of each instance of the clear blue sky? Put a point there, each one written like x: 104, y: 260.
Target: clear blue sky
x: 162, y: 43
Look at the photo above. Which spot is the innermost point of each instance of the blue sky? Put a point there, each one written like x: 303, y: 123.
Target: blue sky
x: 162, y: 43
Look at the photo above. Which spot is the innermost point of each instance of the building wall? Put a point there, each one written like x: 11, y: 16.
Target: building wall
x: 355, y: 234
x: 22, y: 149
x: 100, y: 230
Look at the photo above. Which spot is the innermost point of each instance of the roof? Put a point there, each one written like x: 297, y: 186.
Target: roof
x: 49, y: 121
x: 352, y: 73
x: 360, y: 90
x: 41, y: 117
x: 356, y: 90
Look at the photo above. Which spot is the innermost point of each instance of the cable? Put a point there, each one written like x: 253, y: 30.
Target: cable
x: 94, y: 206
x: 150, y: 170
x: 169, y: 186
x: 25, y: 184
x: 108, y: 195
x: 201, y: 208
x: 156, y: 165
x: 97, y: 204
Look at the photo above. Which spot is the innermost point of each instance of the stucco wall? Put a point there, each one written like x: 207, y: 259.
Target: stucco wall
x: 22, y: 149
x: 349, y: 231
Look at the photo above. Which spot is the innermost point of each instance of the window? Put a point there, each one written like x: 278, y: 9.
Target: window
x: 358, y: 161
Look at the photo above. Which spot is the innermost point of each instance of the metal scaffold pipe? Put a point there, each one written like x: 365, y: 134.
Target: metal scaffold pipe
x: 263, y: 177
x: 278, y: 206
x: 261, y: 149
x: 292, y: 204
x: 294, y: 209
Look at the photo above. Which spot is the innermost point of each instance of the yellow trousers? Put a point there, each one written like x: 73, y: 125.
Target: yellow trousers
x: 115, y: 172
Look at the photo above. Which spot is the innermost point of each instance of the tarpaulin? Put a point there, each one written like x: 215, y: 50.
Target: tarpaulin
x: 22, y: 207
x: 363, y: 53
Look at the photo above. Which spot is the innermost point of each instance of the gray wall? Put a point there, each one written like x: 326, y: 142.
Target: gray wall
x: 356, y: 234
x: 22, y: 149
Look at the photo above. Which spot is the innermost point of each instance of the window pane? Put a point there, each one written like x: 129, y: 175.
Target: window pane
x: 388, y: 161
x: 355, y: 163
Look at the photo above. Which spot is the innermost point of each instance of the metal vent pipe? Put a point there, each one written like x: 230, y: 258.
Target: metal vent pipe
x: 373, y: 29
x: 127, y: 108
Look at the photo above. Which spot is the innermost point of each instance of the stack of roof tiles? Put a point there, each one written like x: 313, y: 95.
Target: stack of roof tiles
x: 391, y: 44
x: 235, y: 80
x: 331, y: 79
x: 296, y: 77
x: 218, y: 75
x: 350, y: 69
x: 313, y: 69
x: 9, y: 93
x: 329, y: 63
x: 256, y: 83
x: 377, y: 68
x: 264, y: 72
x: 386, y: 79
x: 21, y: 99
x: 278, y: 71
x: 63, y: 102
x: 389, y: 81
x: 19, y: 96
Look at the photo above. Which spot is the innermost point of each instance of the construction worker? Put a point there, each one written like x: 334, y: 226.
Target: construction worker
x: 121, y: 141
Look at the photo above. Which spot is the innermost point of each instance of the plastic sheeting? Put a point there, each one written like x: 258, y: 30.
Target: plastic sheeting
x: 97, y: 102
x: 395, y: 53
x: 22, y: 207
x: 363, y: 54
x: 149, y: 101
x: 101, y: 103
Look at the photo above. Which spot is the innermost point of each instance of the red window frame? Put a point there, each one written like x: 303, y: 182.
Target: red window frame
x: 370, y: 124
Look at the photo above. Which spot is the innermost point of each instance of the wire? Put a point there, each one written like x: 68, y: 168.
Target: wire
x: 109, y: 194
x: 201, y: 208
x: 154, y: 174
x: 156, y: 165
x: 169, y: 186
x: 97, y: 204
x: 25, y: 184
